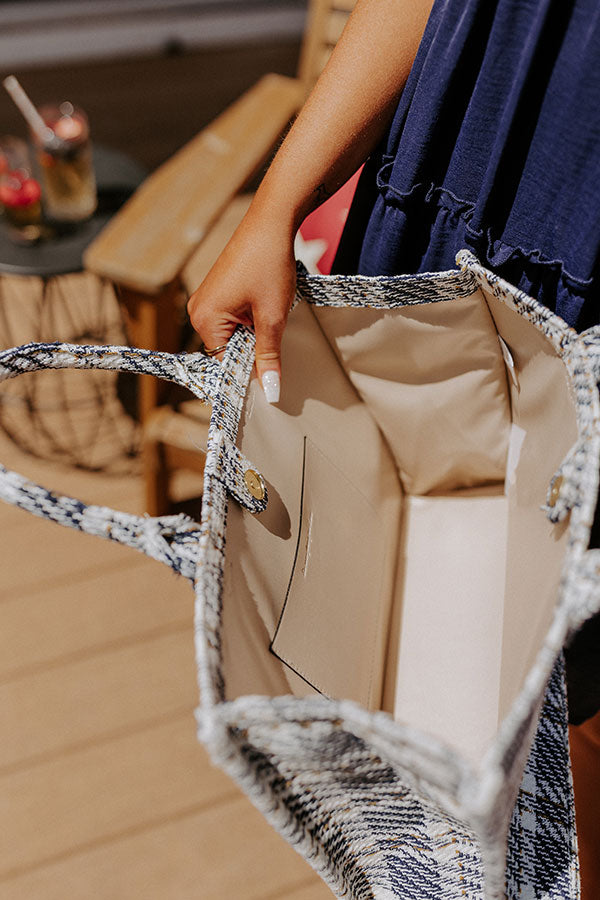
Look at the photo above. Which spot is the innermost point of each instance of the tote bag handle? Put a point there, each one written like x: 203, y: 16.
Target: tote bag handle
x: 169, y: 539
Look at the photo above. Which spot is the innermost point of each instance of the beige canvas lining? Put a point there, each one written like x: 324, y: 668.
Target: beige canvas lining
x: 410, y: 582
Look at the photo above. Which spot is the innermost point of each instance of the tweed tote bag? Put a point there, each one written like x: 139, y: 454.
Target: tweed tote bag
x: 387, y: 566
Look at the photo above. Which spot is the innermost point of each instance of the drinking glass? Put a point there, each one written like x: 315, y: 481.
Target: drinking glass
x: 66, y: 165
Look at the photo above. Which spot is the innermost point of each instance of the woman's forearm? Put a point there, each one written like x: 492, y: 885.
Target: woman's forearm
x: 252, y: 282
x: 349, y: 109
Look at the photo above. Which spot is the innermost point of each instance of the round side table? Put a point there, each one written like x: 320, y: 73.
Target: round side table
x: 78, y: 418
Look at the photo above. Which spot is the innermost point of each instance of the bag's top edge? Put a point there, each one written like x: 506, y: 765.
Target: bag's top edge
x: 384, y: 291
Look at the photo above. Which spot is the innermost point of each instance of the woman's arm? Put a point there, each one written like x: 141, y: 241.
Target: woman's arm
x: 253, y: 281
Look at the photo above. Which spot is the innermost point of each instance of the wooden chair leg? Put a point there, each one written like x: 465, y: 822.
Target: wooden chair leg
x: 172, y: 441
x: 156, y: 478
x: 153, y: 323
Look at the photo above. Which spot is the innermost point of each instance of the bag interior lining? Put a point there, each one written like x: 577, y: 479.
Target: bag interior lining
x: 420, y: 577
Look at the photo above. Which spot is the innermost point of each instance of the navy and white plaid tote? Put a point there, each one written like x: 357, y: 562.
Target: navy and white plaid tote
x: 386, y: 568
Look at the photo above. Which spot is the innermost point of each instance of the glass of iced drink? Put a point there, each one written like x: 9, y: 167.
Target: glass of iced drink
x: 66, y: 166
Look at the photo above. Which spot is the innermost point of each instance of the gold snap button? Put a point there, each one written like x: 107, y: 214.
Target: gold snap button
x: 555, y: 490
x: 255, y: 484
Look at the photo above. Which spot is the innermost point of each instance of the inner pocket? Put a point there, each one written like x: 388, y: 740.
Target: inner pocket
x: 333, y: 625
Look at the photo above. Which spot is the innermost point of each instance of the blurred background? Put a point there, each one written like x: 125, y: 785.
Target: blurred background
x: 149, y: 73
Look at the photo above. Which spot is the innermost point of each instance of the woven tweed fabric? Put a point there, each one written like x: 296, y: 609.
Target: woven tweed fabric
x: 364, y: 818
x: 541, y: 859
x: 173, y: 540
x: 281, y: 735
x: 380, y: 810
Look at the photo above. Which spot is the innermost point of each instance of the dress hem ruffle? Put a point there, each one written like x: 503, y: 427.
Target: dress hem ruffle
x: 490, y: 249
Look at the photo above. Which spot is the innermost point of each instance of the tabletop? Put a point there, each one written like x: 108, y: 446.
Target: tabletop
x: 117, y: 176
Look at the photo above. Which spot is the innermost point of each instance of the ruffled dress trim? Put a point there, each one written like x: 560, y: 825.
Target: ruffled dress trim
x: 431, y: 224
x: 497, y: 252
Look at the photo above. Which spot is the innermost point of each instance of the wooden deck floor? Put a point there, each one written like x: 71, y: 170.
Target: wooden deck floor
x: 104, y: 791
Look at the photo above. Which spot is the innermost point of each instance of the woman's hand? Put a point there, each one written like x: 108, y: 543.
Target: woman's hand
x: 252, y: 283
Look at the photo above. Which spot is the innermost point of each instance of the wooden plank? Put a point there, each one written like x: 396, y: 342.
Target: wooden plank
x: 153, y: 323
x: 99, y: 610
x: 95, y: 489
x: 310, y: 57
x: 96, y: 698
x: 147, y: 243
x: 156, y: 476
x: 118, y: 491
x: 36, y: 554
x: 102, y: 792
x: 325, y: 55
x: 226, y: 851
x: 326, y: 21
x: 202, y: 261
x: 189, y: 432
x: 125, y: 495
x: 335, y: 25
x: 186, y: 485
x: 172, y: 441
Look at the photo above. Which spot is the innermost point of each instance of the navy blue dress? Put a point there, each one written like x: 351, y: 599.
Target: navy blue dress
x: 495, y: 146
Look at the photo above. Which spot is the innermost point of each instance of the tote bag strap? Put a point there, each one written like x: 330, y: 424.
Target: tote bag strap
x: 169, y: 539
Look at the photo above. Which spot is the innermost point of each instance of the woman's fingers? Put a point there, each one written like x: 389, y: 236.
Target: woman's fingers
x: 216, y: 327
x: 213, y: 325
x: 269, y: 332
x: 253, y: 284
x: 270, y: 318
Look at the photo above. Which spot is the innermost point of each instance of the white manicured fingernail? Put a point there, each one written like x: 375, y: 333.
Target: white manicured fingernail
x: 270, y: 384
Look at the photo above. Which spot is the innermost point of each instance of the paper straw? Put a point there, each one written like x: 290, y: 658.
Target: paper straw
x: 44, y: 134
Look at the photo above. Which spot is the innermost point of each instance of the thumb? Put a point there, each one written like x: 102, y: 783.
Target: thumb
x: 268, y: 355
